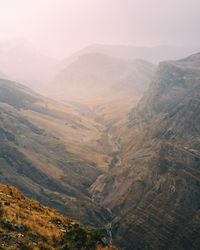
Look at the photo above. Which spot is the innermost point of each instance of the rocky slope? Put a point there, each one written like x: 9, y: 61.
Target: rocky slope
x: 154, y: 191
x: 26, y: 224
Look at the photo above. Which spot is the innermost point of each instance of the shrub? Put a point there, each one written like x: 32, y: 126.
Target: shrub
x: 7, y: 225
x: 77, y: 237
x: 96, y: 236
x: 1, y: 210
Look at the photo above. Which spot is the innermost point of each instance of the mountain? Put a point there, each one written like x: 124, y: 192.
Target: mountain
x: 26, y: 224
x: 132, y: 171
x: 3, y: 76
x: 154, y: 54
x: 19, y: 60
x: 50, y: 152
x: 98, y: 75
x: 152, y: 188
x: 53, y: 153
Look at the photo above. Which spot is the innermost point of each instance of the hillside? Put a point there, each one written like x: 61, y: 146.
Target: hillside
x: 50, y: 152
x: 26, y: 224
x: 153, y: 191
x: 98, y: 76
x: 133, y: 171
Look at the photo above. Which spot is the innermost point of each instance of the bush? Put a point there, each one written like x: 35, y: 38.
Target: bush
x: 7, y: 225
x: 77, y: 237
x: 1, y: 210
x: 96, y: 236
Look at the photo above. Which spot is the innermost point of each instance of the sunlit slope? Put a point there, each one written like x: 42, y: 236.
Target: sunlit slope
x: 50, y: 152
x: 154, y: 191
x: 26, y: 224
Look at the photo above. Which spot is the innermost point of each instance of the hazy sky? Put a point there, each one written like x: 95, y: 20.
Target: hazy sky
x: 60, y: 27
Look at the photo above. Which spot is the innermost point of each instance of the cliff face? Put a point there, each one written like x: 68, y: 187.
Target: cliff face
x: 159, y: 175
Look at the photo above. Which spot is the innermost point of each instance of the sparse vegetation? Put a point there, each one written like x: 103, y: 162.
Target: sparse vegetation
x: 25, y: 224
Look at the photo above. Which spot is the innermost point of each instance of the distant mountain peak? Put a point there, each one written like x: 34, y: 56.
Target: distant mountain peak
x: 20, y: 60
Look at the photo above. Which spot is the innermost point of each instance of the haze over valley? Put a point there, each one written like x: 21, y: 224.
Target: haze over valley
x: 100, y: 124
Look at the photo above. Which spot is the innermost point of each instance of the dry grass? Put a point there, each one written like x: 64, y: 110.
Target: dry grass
x: 31, y: 214
x: 26, y: 224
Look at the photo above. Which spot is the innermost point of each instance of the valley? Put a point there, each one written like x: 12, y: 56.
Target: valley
x: 126, y: 163
x: 99, y: 125
x: 55, y: 152
x: 152, y: 183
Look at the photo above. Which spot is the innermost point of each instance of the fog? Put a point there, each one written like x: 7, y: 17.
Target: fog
x: 62, y: 27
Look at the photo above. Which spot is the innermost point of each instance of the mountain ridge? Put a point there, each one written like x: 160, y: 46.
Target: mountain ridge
x: 153, y: 54
x: 101, y: 76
